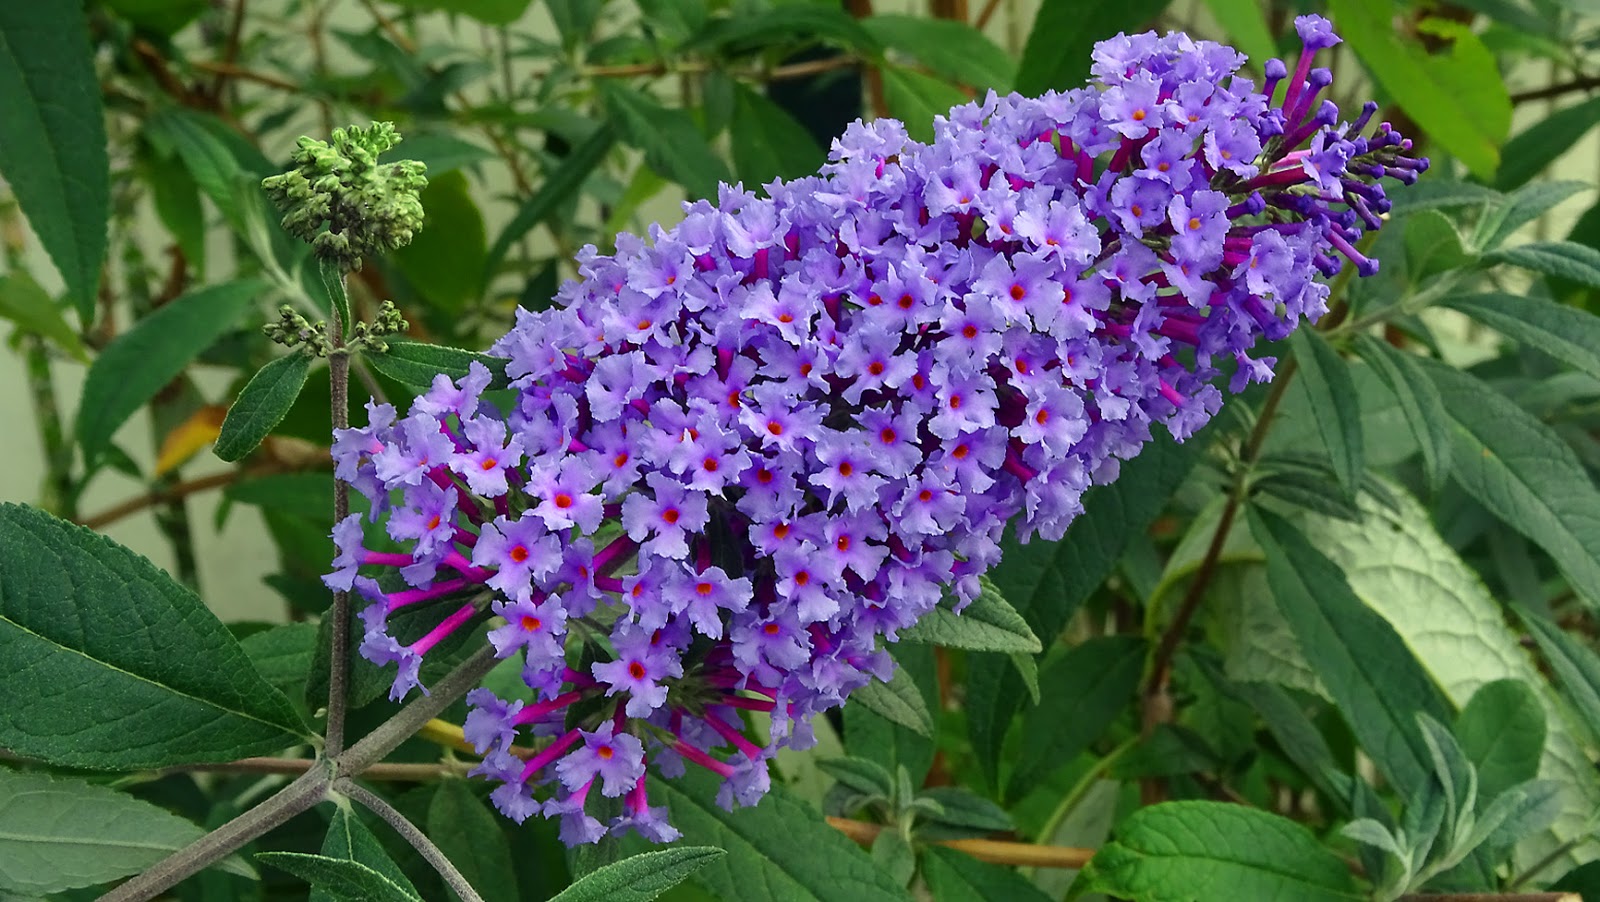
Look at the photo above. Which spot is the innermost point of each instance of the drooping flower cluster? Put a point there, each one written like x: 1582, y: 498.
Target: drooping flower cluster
x: 745, y: 453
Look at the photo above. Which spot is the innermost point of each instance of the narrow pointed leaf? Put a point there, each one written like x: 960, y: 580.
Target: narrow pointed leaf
x: 1566, y: 333
x: 414, y: 364
x: 950, y: 48
x: 341, y: 879
x: 57, y: 834
x: 1567, y: 260
x: 469, y: 834
x: 88, y: 627
x: 53, y: 138
x: 560, y: 187
x: 23, y: 302
x: 987, y: 624
x: 640, y: 878
x: 1063, y: 34
x: 350, y: 840
x: 1419, y: 400
x: 262, y: 405
x: 1090, y: 686
x: 1334, y: 405
x: 672, y: 144
x: 769, y: 143
x: 139, y: 362
x: 1537, y: 146
x: 1576, y: 667
x: 897, y: 701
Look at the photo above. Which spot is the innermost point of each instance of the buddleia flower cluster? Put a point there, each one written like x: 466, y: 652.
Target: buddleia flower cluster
x: 741, y: 455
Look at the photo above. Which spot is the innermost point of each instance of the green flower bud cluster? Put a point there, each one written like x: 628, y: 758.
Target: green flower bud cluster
x: 292, y: 329
x: 341, y: 200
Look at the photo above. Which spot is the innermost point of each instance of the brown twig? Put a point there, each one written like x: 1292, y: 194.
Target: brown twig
x: 1582, y: 83
x: 989, y: 9
x: 994, y: 851
x: 229, y: 70
x: 230, y: 52
x: 404, y: 773
x: 171, y: 493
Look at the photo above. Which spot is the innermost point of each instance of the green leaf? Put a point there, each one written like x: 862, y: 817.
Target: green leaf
x: 954, y: 50
x: 1520, y: 470
x: 987, y: 624
x: 341, y: 879
x: 1373, y: 678
x: 1419, y: 399
x: 163, y: 16
x: 897, y: 701
x: 1214, y: 851
x: 438, y: 151
x: 1565, y: 333
x: 1334, y: 405
x: 1457, y: 96
x: 1575, y: 665
x: 767, y: 142
x: 1536, y: 147
x: 53, y: 138
x: 957, y: 877
x: 470, y: 836
x: 779, y: 851
x: 57, y: 834
x: 489, y: 12
x: 782, y: 25
x: 1090, y: 686
x: 561, y: 186
x: 1246, y: 27
x: 915, y: 98
x: 1064, y: 34
x: 1513, y: 211
x: 176, y: 197
x: 140, y: 361
x: 870, y: 735
x: 1502, y: 731
x: 88, y: 627
x: 672, y: 144
x: 415, y: 363
x: 282, y: 655
x: 442, y: 262
x: 893, y: 856
x: 640, y: 878
x: 23, y: 302
x: 963, y: 810
x: 262, y: 405
x: 1562, y: 259
x: 348, y: 839
x: 1432, y: 245
x: 860, y: 774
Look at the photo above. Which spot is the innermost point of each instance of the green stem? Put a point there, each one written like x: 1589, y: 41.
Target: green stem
x: 418, y: 840
x: 339, y: 379
x: 1081, y: 788
x: 60, y: 495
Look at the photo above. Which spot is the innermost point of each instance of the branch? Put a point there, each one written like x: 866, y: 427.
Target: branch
x: 1582, y: 83
x: 991, y: 850
x: 411, y: 718
x: 339, y: 379
x: 173, y: 492
x: 400, y: 773
x: 418, y: 840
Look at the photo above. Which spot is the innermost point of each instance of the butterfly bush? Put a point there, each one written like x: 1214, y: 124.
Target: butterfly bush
x: 742, y: 455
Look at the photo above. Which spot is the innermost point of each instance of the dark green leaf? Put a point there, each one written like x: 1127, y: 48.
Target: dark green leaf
x: 1047, y: 581
x: 489, y: 12
x: 1565, y: 333
x: 897, y: 701
x: 560, y: 187
x: 1517, y: 209
x: 1535, y: 147
x: 1299, y: 738
x: 782, y: 25
x: 53, y: 138
x: 141, y: 360
x: 1089, y: 686
x: 261, y: 405
x: 954, y: 50
x: 1419, y: 400
x: 965, y: 810
x: 779, y: 851
x: 1576, y: 667
x: 1584, y: 880
x: 987, y: 624
x: 1064, y: 34
x: 163, y: 16
x: 1432, y: 245
x: 957, y: 877
x: 642, y: 877
x: 860, y: 774
x: 440, y: 152
x: 177, y: 201
x: 1562, y: 259
x: 1214, y: 851
x: 1312, y: 491
x: 767, y: 142
x: 1441, y: 194
x: 341, y: 879
x: 282, y: 655
x: 672, y: 144
x: 893, y: 856
x: 1334, y: 405
x: 415, y: 363
x: 1457, y: 96
x: 1502, y: 731
x: 304, y: 494
x: 23, y: 302
x: 1520, y: 470
x: 348, y: 839
x: 869, y: 735
x: 469, y: 835
x: 87, y: 627
x: 443, y: 261
x: 56, y: 834
x: 1376, y: 682
x: 915, y: 99
x: 227, y: 168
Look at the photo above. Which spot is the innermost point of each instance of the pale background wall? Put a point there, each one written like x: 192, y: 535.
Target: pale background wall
x: 232, y: 562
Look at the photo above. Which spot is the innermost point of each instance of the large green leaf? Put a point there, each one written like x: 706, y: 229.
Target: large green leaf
x: 140, y: 361
x: 1502, y: 732
x: 1089, y: 687
x: 108, y: 663
x: 469, y: 835
x: 1537, y: 146
x: 262, y: 405
x: 53, y: 138
x: 769, y: 143
x: 339, y: 879
x: 641, y: 877
x: 1565, y: 333
x: 779, y: 851
x: 915, y: 98
x: 868, y: 734
x: 898, y: 701
x: 950, y: 48
x: 1519, y: 469
x: 1216, y: 852
x: 57, y: 834
x: 1566, y: 260
x: 414, y: 364
x: 443, y: 261
x: 1063, y: 34
x: 987, y: 624
x: 558, y: 188
x: 1366, y: 667
x: 348, y: 839
x: 1509, y: 213
x: 1419, y: 399
x: 1334, y: 405
x: 1575, y: 665
x: 672, y: 144
x: 957, y: 877
x: 23, y: 302
x: 1457, y: 96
